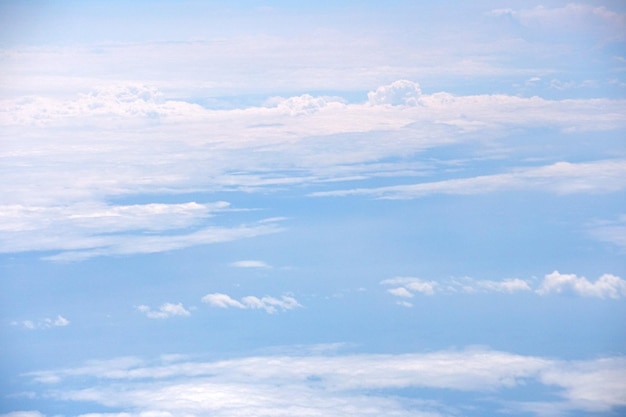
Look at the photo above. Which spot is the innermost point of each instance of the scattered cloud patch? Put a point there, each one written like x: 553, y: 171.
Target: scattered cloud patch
x: 250, y: 264
x: 607, y: 286
x: 165, y: 311
x: 409, y: 285
x: 271, y: 305
x: 46, y: 323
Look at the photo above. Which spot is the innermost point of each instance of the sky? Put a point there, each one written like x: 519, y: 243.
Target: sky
x: 347, y: 208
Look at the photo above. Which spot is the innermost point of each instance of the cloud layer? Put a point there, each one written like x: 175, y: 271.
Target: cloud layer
x: 121, y: 142
x: 339, y: 385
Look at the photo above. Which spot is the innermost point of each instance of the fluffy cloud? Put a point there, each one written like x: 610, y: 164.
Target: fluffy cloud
x: 607, y: 286
x: 270, y: 304
x: 46, y: 323
x: 338, y: 384
x: 398, y: 93
x: 165, y: 311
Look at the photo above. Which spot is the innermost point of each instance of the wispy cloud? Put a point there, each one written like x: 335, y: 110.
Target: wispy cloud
x: 338, y: 385
x: 46, y: 323
x: 250, y: 264
x: 561, y: 178
x: 610, y: 231
x: 607, y: 286
x: 271, y: 305
x: 165, y: 311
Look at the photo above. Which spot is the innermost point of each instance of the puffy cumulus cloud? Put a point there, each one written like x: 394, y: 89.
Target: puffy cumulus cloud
x: 398, y: 93
x: 338, y: 384
x: 165, y: 311
x: 607, y: 286
x: 46, y: 323
x: 271, y: 305
x: 562, y: 178
x: 134, y: 103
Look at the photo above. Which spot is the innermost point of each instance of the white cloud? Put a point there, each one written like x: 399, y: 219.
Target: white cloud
x: 67, y: 158
x: 165, y: 311
x: 337, y: 384
x: 607, y: 286
x: 561, y: 178
x: 250, y: 264
x: 402, y: 92
x: 46, y: 323
x: 412, y: 284
x: 270, y: 304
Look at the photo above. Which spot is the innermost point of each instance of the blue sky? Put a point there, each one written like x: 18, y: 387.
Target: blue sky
x: 258, y: 208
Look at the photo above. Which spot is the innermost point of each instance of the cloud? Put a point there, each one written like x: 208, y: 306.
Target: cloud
x: 410, y: 285
x: 89, y: 247
x: 23, y: 414
x: 610, y: 231
x: 407, y: 287
x: 69, y: 160
x: 304, y: 104
x: 46, y: 323
x: 338, y: 384
x: 573, y: 18
x: 607, y: 286
x: 165, y: 311
x: 560, y: 178
x: 250, y: 264
x: 398, y: 93
x: 271, y: 305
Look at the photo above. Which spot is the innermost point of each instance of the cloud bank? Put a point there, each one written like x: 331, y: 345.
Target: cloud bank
x: 340, y: 385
